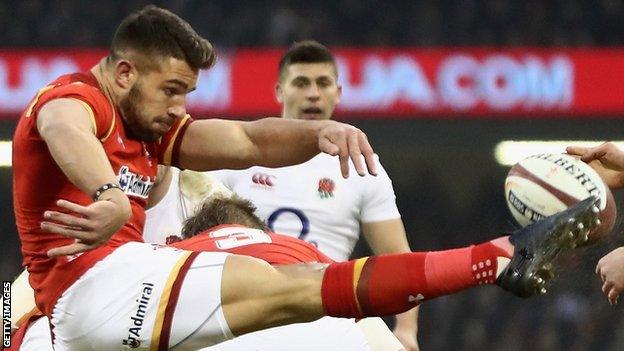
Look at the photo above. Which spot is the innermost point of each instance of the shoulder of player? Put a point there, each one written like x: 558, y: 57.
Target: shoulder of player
x: 237, y: 173
x: 321, y: 161
x: 329, y: 159
x: 78, y: 85
x: 82, y: 89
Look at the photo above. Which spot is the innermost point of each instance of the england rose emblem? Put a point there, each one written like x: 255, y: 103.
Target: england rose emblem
x: 326, y: 188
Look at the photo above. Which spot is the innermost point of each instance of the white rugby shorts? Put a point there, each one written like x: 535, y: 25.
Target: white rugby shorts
x: 327, y: 333
x: 144, y: 296
x: 37, y: 337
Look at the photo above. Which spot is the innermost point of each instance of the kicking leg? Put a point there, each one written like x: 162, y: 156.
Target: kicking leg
x: 256, y: 295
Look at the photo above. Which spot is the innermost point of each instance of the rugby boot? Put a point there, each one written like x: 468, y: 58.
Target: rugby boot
x: 537, y: 246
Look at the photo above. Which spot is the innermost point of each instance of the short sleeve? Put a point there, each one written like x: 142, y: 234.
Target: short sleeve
x: 378, y: 198
x: 168, y: 147
x: 99, y: 108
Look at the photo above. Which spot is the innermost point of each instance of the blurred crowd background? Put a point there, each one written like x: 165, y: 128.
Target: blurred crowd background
x: 449, y: 188
x: 346, y: 22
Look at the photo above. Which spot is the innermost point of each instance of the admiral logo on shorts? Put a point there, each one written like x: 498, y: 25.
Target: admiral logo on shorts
x: 134, y: 184
x: 134, y: 332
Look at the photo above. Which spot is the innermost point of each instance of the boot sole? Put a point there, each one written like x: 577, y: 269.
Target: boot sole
x: 564, y: 236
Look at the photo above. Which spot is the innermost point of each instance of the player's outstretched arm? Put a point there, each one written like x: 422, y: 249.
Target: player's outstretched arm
x: 67, y: 128
x: 273, y: 142
x: 607, y: 159
x: 610, y: 269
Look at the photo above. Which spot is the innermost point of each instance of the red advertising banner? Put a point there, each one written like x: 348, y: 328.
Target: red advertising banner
x: 403, y: 83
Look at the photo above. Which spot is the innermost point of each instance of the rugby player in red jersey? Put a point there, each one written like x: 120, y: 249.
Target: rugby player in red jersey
x: 85, y: 154
x: 87, y: 147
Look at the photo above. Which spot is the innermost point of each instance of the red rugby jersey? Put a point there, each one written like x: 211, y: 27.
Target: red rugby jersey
x: 38, y: 183
x: 268, y: 246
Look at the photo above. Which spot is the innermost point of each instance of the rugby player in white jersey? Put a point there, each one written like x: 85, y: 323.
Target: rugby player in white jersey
x: 312, y: 201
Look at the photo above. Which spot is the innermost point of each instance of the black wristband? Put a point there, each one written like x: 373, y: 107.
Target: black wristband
x: 103, y: 188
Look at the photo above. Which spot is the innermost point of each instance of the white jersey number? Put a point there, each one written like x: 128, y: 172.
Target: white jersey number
x: 237, y: 237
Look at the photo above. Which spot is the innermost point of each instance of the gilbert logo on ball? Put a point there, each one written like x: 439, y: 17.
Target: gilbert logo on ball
x: 542, y: 185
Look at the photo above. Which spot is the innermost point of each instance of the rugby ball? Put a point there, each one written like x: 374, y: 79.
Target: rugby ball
x: 542, y: 185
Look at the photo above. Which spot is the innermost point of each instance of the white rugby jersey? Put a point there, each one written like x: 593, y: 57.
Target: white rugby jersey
x: 163, y: 221
x: 187, y: 191
x: 313, y: 202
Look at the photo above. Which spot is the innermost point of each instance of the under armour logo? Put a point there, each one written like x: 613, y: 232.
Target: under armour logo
x: 416, y: 298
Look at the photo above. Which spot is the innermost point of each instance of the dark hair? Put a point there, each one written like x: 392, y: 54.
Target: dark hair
x: 307, y: 51
x: 154, y: 31
x: 232, y: 210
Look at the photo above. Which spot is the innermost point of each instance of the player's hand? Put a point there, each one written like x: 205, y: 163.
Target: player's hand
x: 607, y: 159
x: 90, y: 226
x: 346, y: 141
x: 407, y: 337
x: 610, y: 269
